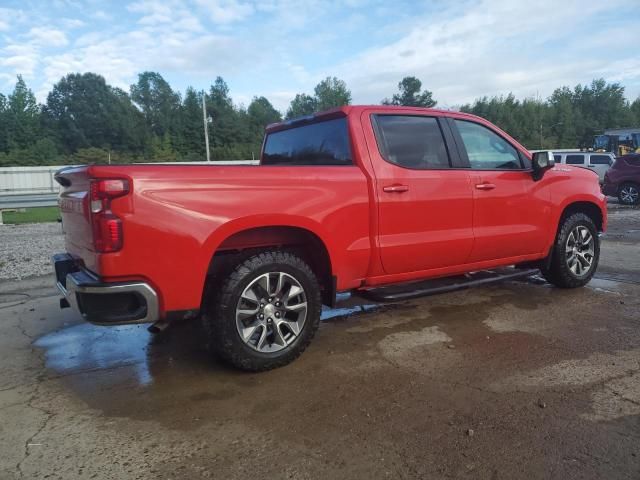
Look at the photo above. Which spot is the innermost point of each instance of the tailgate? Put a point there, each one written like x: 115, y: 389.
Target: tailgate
x: 74, y: 209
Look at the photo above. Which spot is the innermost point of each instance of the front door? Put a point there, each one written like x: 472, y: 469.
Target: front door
x: 425, y: 206
x: 511, y: 210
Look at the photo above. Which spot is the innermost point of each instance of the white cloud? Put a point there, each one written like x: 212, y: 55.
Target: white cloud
x: 19, y: 59
x: 226, y: 11
x: 463, y: 53
x: 10, y: 18
x: 48, y: 37
x: 278, y: 48
x: 72, y: 23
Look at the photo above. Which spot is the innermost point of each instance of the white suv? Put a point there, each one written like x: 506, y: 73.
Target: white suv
x: 598, y: 162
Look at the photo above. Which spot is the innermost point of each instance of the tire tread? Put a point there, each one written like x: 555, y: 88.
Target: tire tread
x: 220, y: 330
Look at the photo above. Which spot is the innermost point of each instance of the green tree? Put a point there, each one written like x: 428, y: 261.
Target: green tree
x: 635, y: 111
x: 409, y: 94
x: 191, y: 146
x: 227, y: 127
x: 260, y: 114
x: 331, y: 92
x: 160, y: 105
x: 302, y: 105
x: 22, y: 117
x: 83, y: 111
x: 4, y: 119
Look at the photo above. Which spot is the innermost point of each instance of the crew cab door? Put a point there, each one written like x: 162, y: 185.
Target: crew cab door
x: 511, y: 211
x: 425, y: 205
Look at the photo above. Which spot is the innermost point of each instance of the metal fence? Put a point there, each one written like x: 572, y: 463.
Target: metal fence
x: 28, y: 180
x: 23, y: 187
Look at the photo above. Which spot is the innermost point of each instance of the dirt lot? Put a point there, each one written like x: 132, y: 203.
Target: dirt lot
x: 517, y: 380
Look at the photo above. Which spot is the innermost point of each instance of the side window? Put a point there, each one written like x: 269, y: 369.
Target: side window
x: 600, y: 160
x: 557, y: 158
x: 487, y: 150
x: 575, y: 160
x: 411, y: 141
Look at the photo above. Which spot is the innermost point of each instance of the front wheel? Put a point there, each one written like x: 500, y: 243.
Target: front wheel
x: 629, y: 194
x: 265, y: 312
x: 575, y: 254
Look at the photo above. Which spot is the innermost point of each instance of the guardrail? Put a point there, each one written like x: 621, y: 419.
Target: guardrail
x: 26, y: 201
x: 39, y: 180
x: 25, y: 187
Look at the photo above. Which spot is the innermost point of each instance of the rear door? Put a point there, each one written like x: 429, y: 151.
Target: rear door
x: 600, y: 163
x: 425, y: 203
x: 510, y: 208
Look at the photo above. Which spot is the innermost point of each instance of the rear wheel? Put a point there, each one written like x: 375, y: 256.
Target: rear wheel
x: 629, y: 194
x: 575, y: 254
x: 265, y: 313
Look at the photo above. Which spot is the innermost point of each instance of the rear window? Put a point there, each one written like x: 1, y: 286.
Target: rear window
x: 600, y: 160
x: 574, y: 160
x: 322, y: 143
x: 411, y: 141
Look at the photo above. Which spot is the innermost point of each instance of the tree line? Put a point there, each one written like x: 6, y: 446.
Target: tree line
x: 86, y: 120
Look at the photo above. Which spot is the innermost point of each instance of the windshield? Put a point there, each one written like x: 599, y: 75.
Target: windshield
x: 601, y: 142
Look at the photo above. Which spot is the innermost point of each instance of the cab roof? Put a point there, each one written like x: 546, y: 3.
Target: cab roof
x: 348, y: 110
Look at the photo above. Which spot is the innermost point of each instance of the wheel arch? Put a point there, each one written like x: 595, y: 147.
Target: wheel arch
x: 241, y: 242
x: 591, y: 209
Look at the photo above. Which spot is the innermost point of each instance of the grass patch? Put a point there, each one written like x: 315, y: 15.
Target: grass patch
x: 31, y: 215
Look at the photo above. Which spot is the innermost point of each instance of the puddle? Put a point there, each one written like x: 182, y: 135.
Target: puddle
x: 605, y: 286
x: 337, y: 313
x: 139, y: 355
x: 87, y: 347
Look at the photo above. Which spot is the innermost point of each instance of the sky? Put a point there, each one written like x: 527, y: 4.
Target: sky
x: 460, y: 50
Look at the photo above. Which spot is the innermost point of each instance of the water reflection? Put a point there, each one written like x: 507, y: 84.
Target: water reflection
x: 87, y: 347
x: 140, y: 357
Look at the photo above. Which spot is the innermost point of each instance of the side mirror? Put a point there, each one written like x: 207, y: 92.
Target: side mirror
x: 541, y: 162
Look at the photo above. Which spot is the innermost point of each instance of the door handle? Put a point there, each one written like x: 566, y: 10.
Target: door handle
x: 396, y: 188
x: 485, y: 186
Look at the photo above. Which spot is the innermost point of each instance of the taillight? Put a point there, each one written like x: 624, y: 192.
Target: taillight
x: 107, y: 227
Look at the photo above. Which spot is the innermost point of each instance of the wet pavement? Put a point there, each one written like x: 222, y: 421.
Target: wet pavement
x: 516, y: 380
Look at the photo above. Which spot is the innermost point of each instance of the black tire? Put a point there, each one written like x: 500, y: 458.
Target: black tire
x: 558, y: 271
x: 629, y: 193
x: 219, y: 317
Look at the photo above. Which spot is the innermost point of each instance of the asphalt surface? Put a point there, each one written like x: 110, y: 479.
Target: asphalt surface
x: 516, y: 380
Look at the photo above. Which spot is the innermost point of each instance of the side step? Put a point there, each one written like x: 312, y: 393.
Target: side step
x: 442, y: 285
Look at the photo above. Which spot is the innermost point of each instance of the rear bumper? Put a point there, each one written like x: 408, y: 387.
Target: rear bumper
x: 111, y: 303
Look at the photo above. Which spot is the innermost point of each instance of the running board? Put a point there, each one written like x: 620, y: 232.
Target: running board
x: 441, y: 285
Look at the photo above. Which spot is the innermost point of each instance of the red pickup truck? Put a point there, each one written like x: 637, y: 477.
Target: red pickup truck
x: 352, y: 199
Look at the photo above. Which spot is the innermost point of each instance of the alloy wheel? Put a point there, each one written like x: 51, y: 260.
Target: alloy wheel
x: 580, y: 251
x: 271, y: 312
x: 629, y: 194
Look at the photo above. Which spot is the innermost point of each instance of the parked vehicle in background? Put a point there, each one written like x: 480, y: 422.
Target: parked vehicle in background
x: 598, y: 162
x: 620, y: 141
x: 353, y: 199
x: 623, y: 180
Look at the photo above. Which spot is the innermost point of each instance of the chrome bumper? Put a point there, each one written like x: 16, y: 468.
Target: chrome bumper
x: 101, y: 303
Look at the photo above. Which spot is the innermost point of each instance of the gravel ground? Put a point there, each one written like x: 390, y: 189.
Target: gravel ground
x: 25, y: 250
